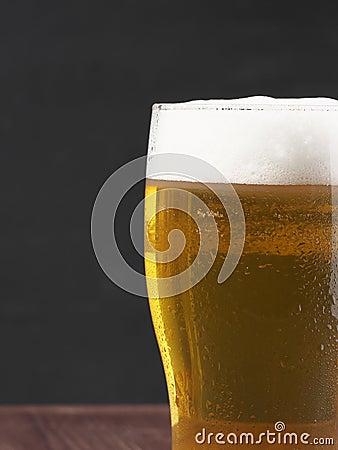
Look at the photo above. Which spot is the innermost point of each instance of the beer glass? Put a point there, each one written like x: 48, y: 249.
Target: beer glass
x: 251, y: 358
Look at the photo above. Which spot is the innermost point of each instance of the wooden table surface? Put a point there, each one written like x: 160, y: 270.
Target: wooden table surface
x: 131, y: 427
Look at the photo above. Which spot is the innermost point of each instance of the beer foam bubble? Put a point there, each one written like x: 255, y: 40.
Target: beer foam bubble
x: 255, y: 140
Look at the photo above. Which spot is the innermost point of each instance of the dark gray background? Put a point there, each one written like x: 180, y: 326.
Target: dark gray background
x: 77, y: 82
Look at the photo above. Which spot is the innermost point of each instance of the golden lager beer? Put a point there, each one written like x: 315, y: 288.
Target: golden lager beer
x: 262, y: 346
x: 253, y: 360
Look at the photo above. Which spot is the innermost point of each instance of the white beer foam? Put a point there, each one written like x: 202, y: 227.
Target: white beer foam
x: 255, y: 140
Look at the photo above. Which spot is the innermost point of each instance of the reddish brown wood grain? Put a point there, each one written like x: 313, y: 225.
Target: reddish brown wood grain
x: 138, y: 427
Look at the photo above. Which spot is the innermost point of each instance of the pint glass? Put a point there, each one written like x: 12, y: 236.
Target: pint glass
x: 251, y: 359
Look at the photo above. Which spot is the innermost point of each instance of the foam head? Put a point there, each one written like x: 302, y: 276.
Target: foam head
x: 255, y: 140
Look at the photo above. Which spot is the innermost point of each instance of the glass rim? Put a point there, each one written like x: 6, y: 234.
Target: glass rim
x: 320, y: 104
